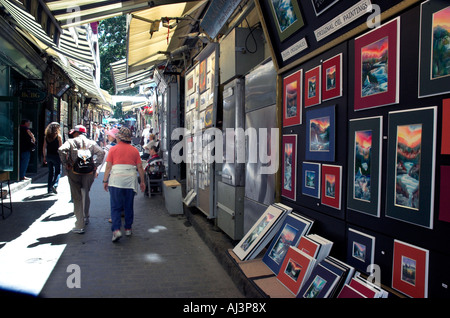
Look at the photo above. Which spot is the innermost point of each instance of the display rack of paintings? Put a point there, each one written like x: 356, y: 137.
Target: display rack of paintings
x: 320, y: 134
x: 434, y: 61
x: 289, y: 167
x: 313, y: 84
x: 377, y: 61
x: 287, y: 16
x: 293, y: 228
x: 332, y: 78
x: 311, y: 179
x: 360, y: 250
x: 364, y: 165
x: 331, y: 186
x: 410, y: 270
x: 292, y: 99
x: 411, y: 166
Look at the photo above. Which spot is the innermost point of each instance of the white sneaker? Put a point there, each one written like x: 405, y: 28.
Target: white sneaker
x: 116, y: 235
x: 128, y: 232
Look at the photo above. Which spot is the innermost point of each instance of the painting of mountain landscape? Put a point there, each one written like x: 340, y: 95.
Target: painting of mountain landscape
x: 409, y: 146
x: 362, y: 165
x: 441, y: 44
x: 374, y: 59
x: 320, y: 134
x: 287, y: 184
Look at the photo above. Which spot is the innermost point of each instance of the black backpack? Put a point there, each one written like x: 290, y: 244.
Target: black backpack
x: 84, y: 164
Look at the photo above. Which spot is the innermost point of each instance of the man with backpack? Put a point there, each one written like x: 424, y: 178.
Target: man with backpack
x: 81, y: 157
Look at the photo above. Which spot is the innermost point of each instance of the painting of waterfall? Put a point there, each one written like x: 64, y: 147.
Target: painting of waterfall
x: 409, y: 146
x: 320, y: 134
x: 374, y: 59
x: 362, y: 171
x: 289, y: 182
x: 441, y: 44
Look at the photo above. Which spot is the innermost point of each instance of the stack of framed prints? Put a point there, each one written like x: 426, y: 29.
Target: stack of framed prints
x: 262, y: 232
x: 293, y: 228
x: 315, y: 246
x: 320, y: 283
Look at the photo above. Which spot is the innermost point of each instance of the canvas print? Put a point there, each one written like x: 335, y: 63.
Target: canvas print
x: 411, y: 161
x: 320, y: 134
x: 434, y: 62
x: 313, y: 86
x: 289, y: 171
x: 287, y: 16
x: 410, y: 270
x: 311, y: 179
x: 292, y: 99
x: 377, y: 66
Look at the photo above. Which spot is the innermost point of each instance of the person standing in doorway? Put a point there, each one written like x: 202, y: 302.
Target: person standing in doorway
x: 52, y: 142
x: 27, y: 145
x: 80, y: 184
x: 120, y: 179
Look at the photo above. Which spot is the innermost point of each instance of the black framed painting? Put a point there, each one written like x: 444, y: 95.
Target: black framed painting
x: 287, y: 16
x: 411, y: 166
x: 364, y: 162
x: 434, y: 61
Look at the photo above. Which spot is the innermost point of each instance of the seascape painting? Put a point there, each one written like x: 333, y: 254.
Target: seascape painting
x: 319, y: 134
x: 257, y: 231
x: 285, y: 14
x: 285, y: 240
x: 440, y: 64
x: 362, y: 165
x: 408, y: 270
x: 374, y: 59
x: 409, y: 146
x: 310, y: 179
x: 359, y: 251
x: 291, y: 99
x: 287, y: 184
x: 293, y: 269
x: 330, y: 78
x: 330, y: 186
x: 315, y: 288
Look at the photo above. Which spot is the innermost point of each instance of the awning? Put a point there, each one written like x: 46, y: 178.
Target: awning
x: 134, y: 106
x: 122, y: 81
x: 155, y: 33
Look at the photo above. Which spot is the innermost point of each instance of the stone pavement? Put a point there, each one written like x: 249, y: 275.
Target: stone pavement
x: 167, y: 256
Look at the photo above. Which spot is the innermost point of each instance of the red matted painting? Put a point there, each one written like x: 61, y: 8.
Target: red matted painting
x: 332, y: 78
x: 377, y: 67
x: 292, y: 99
x: 331, y: 186
x: 313, y: 86
x: 410, y: 270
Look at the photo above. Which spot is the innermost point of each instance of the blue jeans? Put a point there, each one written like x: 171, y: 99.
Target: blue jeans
x: 54, y: 170
x: 24, y: 160
x: 121, y: 200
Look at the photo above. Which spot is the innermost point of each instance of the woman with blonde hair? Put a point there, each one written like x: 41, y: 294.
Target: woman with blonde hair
x: 52, y: 142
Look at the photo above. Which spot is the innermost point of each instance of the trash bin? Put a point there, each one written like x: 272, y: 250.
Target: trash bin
x: 172, y: 197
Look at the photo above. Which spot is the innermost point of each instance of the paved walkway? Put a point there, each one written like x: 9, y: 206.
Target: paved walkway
x: 164, y: 258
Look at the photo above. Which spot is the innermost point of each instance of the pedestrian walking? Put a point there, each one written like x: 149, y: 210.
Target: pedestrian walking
x: 81, y: 158
x: 27, y: 145
x: 120, y: 179
x: 52, y: 142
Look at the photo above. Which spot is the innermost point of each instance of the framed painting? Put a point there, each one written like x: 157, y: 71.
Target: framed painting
x: 313, y: 84
x: 331, y: 186
x: 202, y: 76
x: 320, y: 283
x: 411, y: 165
x: 258, y: 231
x: 190, y: 83
x: 320, y: 134
x: 332, y: 78
x: 287, y: 16
x: 209, y: 116
x: 364, y: 165
x: 321, y: 6
x: 445, y: 143
x: 377, y: 55
x: 444, y: 198
x: 311, y: 179
x: 360, y: 250
x: 289, y: 164
x: 410, y: 270
x: 295, y: 270
x: 292, y: 99
x: 434, y: 60
x: 289, y: 234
